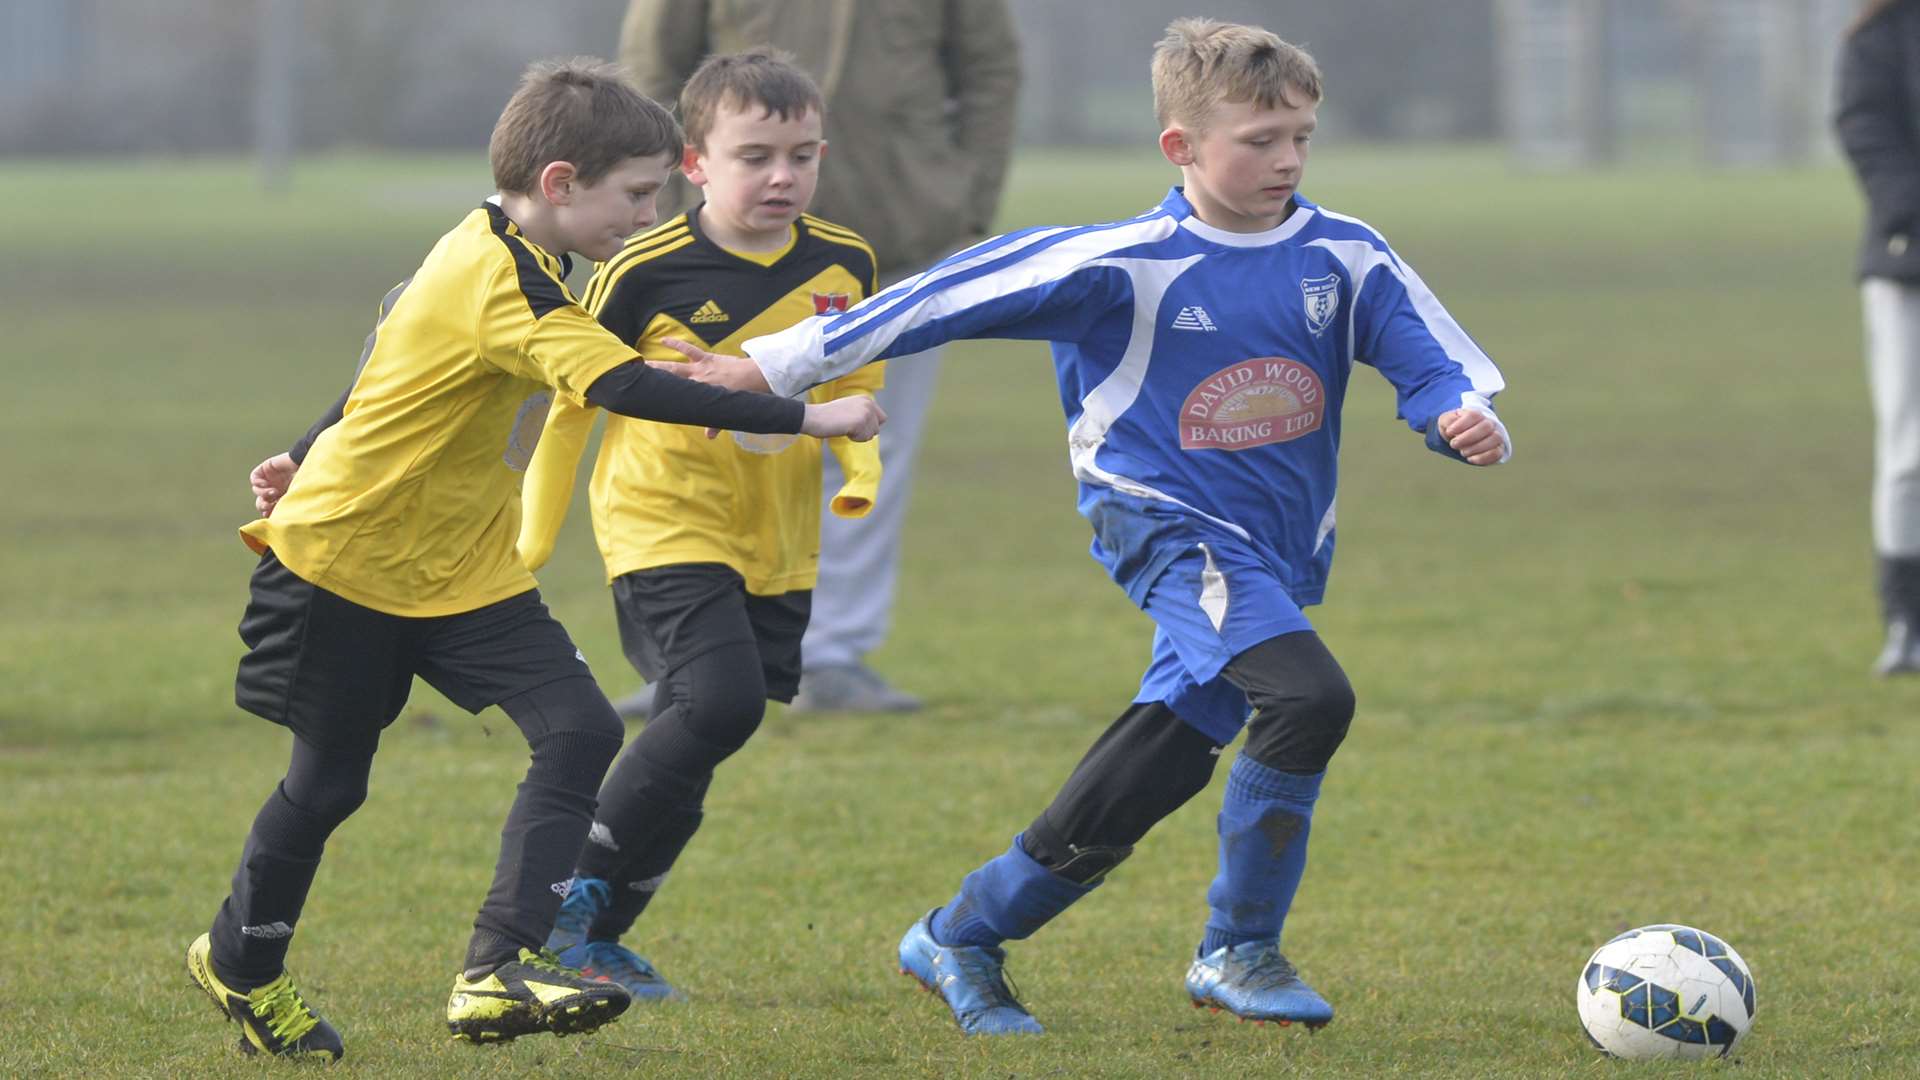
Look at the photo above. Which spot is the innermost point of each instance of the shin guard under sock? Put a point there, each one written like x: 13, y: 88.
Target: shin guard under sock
x: 255, y: 925
x: 1007, y: 898
x: 1263, y: 826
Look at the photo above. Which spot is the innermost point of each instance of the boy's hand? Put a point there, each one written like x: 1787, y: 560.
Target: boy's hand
x: 731, y: 372
x: 270, y: 479
x: 858, y: 417
x: 1475, y: 436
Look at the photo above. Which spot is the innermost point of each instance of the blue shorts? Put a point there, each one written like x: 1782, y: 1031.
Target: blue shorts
x: 1212, y: 603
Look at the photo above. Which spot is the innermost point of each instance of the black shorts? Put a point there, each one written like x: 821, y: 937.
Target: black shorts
x: 339, y: 673
x: 669, y: 615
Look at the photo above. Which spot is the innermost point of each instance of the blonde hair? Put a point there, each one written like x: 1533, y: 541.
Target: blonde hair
x: 582, y: 111
x: 1203, y: 62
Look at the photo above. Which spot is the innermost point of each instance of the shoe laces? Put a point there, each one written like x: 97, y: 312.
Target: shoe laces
x: 619, y: 963
x: 1268, y: 970
x: 987, y: 974
x: 284, y: 1010
x: 545, y: 960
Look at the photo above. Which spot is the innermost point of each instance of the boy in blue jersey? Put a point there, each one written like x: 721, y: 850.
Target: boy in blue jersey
x: 1203, y: 350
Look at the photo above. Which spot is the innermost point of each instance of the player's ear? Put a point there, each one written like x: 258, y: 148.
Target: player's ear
x: 1175, y: 146
x: 558, y: 182
x: 690, y: 165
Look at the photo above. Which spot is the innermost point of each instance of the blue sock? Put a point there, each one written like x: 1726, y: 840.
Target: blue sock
x: 1009, y: 897
x: 1263, y: 826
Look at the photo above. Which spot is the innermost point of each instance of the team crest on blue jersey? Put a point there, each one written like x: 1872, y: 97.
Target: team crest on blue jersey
x: 1322, y: 295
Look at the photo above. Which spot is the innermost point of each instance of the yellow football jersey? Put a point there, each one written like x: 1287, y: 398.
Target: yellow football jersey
x: 663, y: 494
x: 410, y: 504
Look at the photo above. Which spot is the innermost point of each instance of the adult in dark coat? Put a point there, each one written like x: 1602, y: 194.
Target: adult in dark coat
x: 1878, y: 122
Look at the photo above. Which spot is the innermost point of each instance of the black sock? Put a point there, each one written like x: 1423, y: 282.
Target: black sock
x: 542, y: 837
x: 637, y: 882
x: 255, y: 925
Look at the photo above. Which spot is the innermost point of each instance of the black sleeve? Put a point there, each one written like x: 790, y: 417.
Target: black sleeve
x: 1875, y: 124
x: 298, y: 451
x: 636, y: 390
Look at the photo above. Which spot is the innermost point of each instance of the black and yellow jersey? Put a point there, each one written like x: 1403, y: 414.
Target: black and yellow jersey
x: 410, y: 504
x: 663, y: 494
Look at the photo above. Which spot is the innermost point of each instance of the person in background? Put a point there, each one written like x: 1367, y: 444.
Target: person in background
x: 920, y: 117
x: 1879, y: 128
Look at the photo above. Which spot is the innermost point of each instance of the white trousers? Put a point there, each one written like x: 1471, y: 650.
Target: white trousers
x: 1893, y: 376
x: 860, y: 557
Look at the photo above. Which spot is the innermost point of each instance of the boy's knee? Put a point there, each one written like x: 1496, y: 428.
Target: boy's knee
x: 332, y: 801
x: 1302, y: 702
x: 1301, y: 737
x: 721, y: 698
x: 566, y: 706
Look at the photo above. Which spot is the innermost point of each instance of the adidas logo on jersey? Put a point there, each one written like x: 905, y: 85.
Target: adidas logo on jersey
x: 1190, y: 318
x: 710, y: 312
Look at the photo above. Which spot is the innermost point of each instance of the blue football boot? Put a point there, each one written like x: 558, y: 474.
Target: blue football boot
x: 972, y: 979
x: 606, y: 961
x: 610, y: 961
x: 1254, y: 982
x: 586, y: 899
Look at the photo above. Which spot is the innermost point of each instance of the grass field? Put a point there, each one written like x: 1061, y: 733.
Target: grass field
x: 1620, y: 681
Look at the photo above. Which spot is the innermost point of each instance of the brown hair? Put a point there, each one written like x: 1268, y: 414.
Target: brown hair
x: 763, y: 76
x: 1203, y: 62
x: 582, y: 111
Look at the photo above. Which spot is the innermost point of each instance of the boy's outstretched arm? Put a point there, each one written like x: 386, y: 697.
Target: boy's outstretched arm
x: 714, y: 369
x: 1037, y: 285
x: 646, y: 393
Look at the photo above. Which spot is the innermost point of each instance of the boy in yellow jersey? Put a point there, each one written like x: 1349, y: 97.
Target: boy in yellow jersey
x: 387, y: 551
x: 711, y: 546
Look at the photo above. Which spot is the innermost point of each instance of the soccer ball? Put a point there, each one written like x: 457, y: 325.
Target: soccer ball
x: 1666, y: 991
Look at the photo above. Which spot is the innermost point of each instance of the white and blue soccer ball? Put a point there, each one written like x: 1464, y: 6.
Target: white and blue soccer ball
x: 1666, y: 991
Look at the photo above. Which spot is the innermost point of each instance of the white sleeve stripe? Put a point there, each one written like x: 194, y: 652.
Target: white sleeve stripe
x: 1360, y: 258
x: 825, y: 347
x: 1459, y: 347
x: 881, y: 302
x: 889, y: 303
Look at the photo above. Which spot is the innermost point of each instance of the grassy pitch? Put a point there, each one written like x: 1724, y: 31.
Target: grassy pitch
x: 1619, y: 681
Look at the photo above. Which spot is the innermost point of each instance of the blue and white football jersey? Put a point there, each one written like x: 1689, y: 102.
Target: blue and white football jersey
x: 1201, y: 370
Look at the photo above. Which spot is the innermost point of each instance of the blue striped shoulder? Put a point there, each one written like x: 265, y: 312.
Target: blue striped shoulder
x: 1049, y: 252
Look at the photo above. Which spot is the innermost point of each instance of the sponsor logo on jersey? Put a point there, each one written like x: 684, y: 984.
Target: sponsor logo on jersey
x: 1193, y: 318
x: 525, y: 436
x: 1255, y: 402
x: 1322, y: 296
x: 268, y: 930
x: 824, y: 302
x: 709, y: 312
x: 755, y: 443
